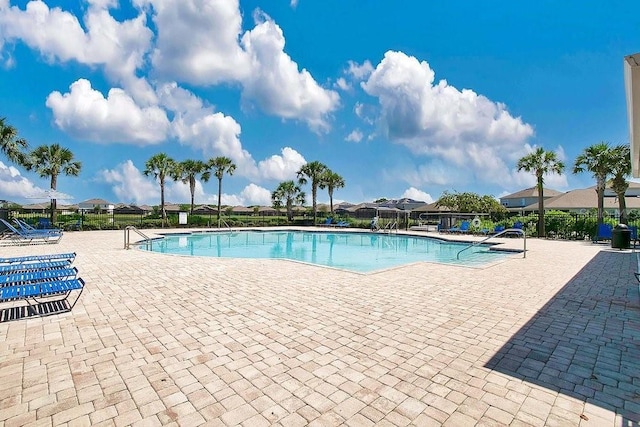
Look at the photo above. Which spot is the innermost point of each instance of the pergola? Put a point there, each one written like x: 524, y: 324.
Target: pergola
x: 632, y: 87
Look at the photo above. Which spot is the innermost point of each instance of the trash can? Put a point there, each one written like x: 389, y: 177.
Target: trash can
x: 621, y: 237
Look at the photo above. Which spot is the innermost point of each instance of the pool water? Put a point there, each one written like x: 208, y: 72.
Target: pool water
x: 360, y: 252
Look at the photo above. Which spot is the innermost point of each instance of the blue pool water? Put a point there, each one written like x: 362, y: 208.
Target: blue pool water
x: 361, y: 252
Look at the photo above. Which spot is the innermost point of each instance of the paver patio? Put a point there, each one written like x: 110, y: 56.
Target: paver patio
x: 551, y: 339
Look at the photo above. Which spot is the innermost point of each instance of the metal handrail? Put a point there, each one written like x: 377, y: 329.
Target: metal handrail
x: 390, y: 226
x: 221, y: 220
x: 508, y: 230
x: 127, y: 237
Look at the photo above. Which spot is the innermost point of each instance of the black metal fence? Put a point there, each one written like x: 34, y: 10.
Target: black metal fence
x: 560, y: 225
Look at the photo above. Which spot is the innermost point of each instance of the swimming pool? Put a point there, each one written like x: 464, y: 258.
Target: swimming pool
x: 360, y: 252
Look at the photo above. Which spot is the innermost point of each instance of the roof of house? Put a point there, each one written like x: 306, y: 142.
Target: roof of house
x: 241, y: 209
x: 585, y: 198
x: 431, y: 207
x: 532, y: 192
x: 95, y: 202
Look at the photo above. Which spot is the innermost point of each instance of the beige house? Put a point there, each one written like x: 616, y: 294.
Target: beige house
x: 583, y: 200
x: 92, y: 205
x: 523, y: 198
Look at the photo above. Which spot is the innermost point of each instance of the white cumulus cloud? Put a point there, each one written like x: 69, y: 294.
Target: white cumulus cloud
x: 130, y: 185
x: 85, y: 113
x: 16, y: 188
x: 359, y: 71
x: 354, y: 136
x: 253, y: 194
x: 436, y: 119
x: 211, y: 53
x: 58, y: 35
x: 276, y: 85
x: 283, y: 167
x: 415, y: 194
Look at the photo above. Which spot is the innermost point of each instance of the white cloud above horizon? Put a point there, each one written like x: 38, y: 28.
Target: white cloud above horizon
x: 419, y: 195
x: 436, y: 119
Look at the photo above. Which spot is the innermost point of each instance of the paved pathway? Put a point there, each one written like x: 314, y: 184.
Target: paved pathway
x: 552, y: 339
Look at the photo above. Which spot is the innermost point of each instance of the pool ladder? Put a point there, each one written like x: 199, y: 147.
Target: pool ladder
x: 507, y: 231
x: 390, y: 227
x: 127, y: 237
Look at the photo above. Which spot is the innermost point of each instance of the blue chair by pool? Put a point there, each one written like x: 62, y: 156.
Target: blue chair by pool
x: 44, y: 224
x: 463, y: 228
x: 25, y: 226
x: 603, y: 232
x: 29, y: 237
x: 33, y: 266
x: 70, y: 256
x: 327, y: 222
x: 342, y: 224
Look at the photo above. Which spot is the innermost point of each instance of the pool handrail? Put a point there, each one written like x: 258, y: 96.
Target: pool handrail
x: 127, y: 237
x: 507, y: 231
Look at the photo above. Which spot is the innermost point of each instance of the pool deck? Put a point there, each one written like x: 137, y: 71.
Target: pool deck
x: 550, y: 339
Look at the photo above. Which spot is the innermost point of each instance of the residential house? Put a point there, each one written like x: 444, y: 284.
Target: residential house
x: 582, y: 201
x: 523, y: 198
x: 93, y: 205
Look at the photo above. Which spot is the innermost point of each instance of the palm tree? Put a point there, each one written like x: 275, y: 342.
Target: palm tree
x: 541, y: 163
x: 188, y: 170
x: 620, y: 159
x: 160, y: 166
x: 220, y: 166
x: 290, y: 193
x: 11, y: 145
x: 597, y: 160
x: 331, y: 181
x: 313, y: 171
x: 49, y: 161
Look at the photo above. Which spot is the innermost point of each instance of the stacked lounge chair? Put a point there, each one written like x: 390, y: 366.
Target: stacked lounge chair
x: 25, y: 236
x: 43, y: 282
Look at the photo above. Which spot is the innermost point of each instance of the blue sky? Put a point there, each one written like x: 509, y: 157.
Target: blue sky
x: 402, y: 99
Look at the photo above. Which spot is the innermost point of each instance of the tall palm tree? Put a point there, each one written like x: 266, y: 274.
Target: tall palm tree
x: 220, y: 166
x: 541, y: 163
x: 160, y: 166
x: 49, y: 161
x: 620, y: 159
x: 597, y: 160
x: 331, y: 180
x: 188, y: 170
x: 11, y: 145
x: 313, y: 171
x: 291, y: 194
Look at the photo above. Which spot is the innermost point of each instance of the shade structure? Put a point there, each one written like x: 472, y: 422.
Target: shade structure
x: 49, y: 194
x: 632, y: 89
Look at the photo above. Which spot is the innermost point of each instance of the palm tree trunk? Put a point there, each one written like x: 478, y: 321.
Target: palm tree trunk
x: 314, y: 191
x: 219, y: 201
x: 600, y: 185
x: 162, y: 211
x: 541, y: 230
x: 331, y: 200
x: 289, y: 213
x: 54, y: 202
x: 622, y: 206
x: 192, y: 187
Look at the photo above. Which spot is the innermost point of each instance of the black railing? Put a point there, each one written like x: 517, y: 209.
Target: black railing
x: 560, y: 225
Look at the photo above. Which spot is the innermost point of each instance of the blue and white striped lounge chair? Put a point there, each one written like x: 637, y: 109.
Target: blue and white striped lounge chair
x: 34, y: 276
x: 70, y: 256
x: 43, y: 284
x: 33, y: 266
x: 54, y: 292
x: 31, y: 237
x: 24, y: 226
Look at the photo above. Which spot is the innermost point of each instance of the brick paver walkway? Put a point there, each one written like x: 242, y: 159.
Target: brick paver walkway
x: 553, y: 339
